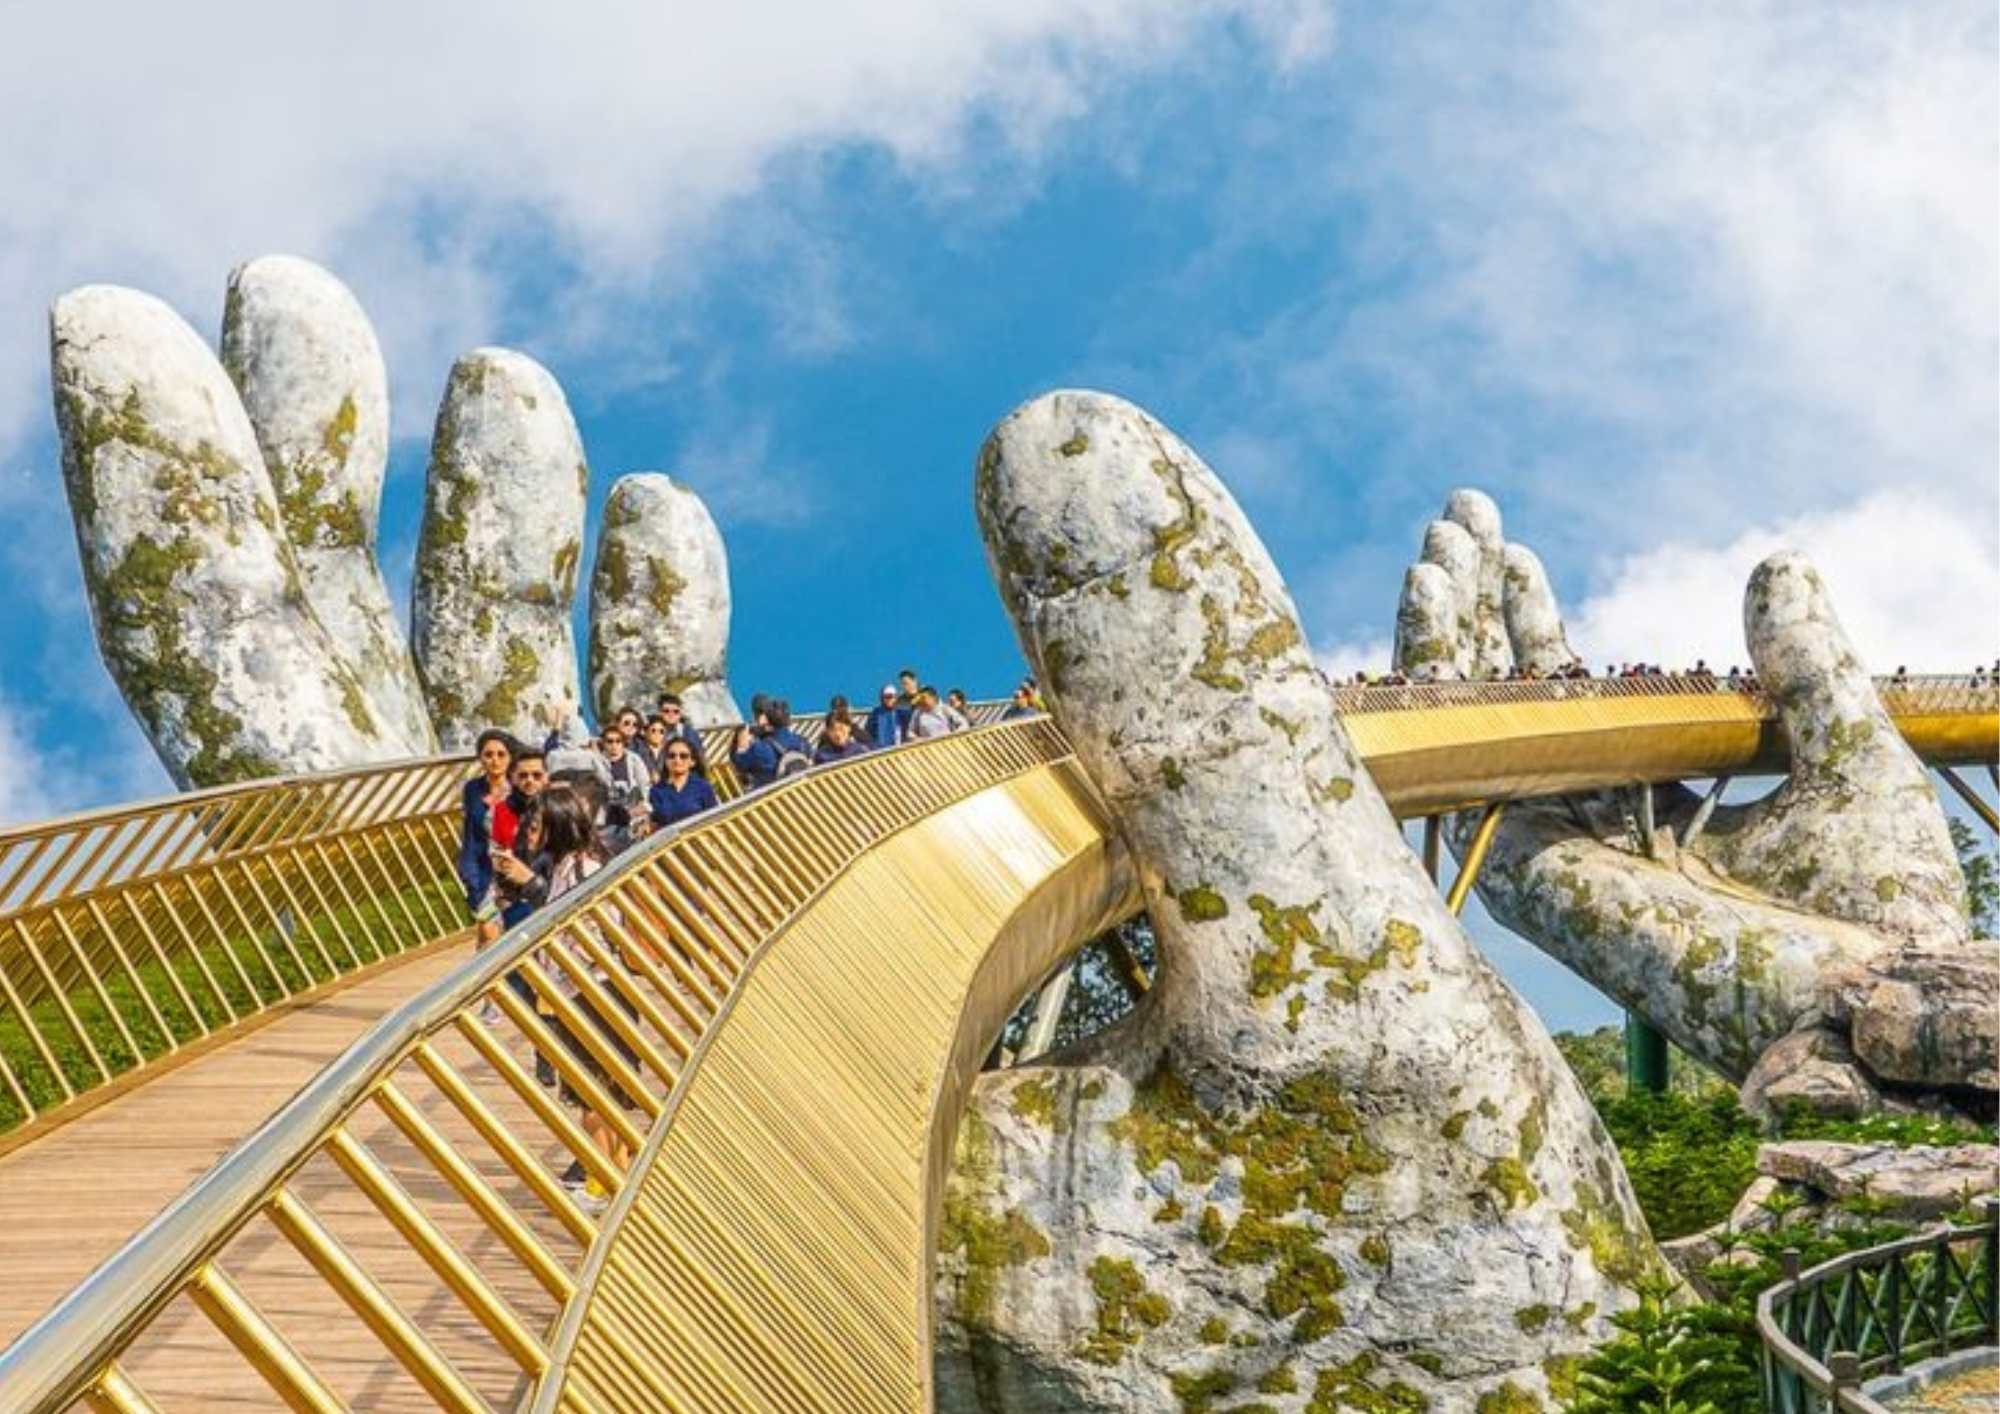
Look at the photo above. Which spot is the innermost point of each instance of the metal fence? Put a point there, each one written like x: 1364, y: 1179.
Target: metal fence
x: 1874, y: 1312
x: 133, y: 935
x: 1901, y: 695
x: 438, y: 1128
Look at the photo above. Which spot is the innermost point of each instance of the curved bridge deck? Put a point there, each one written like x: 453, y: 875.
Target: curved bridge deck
x: 815, y: 974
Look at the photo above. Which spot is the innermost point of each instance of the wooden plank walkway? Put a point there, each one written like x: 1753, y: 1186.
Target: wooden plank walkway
x: 71, y: 1198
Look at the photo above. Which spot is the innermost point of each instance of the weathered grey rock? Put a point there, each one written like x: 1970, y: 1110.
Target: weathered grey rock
x: 1855, y: 831
x: 1427, y: 637
x: 1924, y: 1016
x: 1534, y: 623
x: 1912, y: 1182
x: 305, y: 361
x: 498, y: 554
x: 1490, y: 655
x: 1814, y: 1067
x: 1330, y: 1154
x: 1725, y: 975
x: 659, y: 603
x: 1473, y: 605
x: 1752, y: 1212
x: 195, y: 592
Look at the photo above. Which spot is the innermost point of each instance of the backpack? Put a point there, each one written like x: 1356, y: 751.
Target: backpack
x: 790, y: 763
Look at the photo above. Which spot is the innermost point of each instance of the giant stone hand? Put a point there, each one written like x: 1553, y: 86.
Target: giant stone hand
x: 1814, y: 941
x: 1330, y: 1160
x: 225, y: 513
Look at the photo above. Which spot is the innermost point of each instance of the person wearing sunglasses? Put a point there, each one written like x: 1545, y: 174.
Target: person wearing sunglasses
x: 680, y: 792
x: 678, y: 728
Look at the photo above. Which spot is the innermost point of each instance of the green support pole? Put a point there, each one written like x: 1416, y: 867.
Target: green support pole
x: 1645, y: 1056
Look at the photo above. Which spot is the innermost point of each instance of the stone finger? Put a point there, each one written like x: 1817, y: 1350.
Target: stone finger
x: 305, y: 360
x: 659, y: 603
x: 1488, y: 654
x: 1427, y: 638
x: 197, y: 597
x: 498, y: 554
x: 1445, y: 1173
x: 1534, y: 623
x: 1856, y: 831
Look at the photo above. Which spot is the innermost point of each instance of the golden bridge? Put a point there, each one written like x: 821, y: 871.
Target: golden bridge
x: 257, y: 998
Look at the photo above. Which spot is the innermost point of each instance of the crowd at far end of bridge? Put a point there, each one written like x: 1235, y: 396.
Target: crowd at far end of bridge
x: 541, y: 817
x: 1735, y: 680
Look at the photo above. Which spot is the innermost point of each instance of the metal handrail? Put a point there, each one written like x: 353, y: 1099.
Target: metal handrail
x: 175, y: 924
x: 659, y: 938
x: 134, y: 937
x: 1901, y: 694
x: 1826, y: 1329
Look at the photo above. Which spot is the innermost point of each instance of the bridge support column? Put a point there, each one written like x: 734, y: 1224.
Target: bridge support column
x: 1645, y: 1056
x: 1704, y: 810
x: 1433, y: 844
x: 1475, y: 855
x: 1971, y: 798
x: 1136, y: 980
x: 1048, y: 1012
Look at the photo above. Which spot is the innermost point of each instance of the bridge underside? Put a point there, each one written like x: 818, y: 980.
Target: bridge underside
x: 777, y: 1252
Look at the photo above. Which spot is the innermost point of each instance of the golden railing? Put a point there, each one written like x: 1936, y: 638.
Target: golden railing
x: 138, y: 936
x: 863, y: 931
x: 134, y: 938
x: 861, y: 989
x: 1436, y: 747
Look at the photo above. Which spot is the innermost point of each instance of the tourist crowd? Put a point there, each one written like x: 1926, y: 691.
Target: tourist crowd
x: 1735, y: 680
x: 541, y: 817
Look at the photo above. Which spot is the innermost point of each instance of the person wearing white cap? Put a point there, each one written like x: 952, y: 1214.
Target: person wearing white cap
x: 888, y: 723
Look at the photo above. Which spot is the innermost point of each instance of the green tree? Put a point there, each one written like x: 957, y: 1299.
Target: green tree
x: 1982, y: 878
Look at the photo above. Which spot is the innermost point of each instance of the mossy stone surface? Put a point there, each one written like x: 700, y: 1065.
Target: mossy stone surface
x: 660, y: 603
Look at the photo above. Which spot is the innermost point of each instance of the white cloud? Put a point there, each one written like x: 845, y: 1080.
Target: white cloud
x: 1707, y: 276
x: 42, y: 782
x: 1341, y: 661
x: 1911, y: 577
x: 1762, y: 235
x: 417, y: 149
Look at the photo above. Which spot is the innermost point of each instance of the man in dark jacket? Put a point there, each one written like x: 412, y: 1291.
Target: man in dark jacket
x: 770, y: 748
x: 888, y: 721
x: 838, y: 743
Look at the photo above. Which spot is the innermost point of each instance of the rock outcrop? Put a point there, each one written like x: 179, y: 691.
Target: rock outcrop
x: 1330, y: 1158
x: 498, y: 555
x: 659, y: 603
x: 197, y: 596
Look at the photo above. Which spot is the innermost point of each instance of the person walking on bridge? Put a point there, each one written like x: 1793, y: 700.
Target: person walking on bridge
x: 481, y: 796
x: 680, y: 791
x: 888, y: 722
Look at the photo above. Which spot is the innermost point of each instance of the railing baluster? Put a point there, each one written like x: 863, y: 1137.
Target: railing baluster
x: 114, y: 1393
x: 391, y: 1325
x: 438, y: 1251
x: 478, y: 1194
x: 259, y: 1342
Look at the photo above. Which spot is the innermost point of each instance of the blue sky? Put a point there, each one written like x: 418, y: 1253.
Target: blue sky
x: 1677, y: 283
